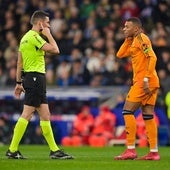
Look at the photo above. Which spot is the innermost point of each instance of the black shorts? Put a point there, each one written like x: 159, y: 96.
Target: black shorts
x: 35, y: 89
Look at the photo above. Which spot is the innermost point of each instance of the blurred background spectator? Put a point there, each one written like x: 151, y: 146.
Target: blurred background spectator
x: 82, y: 127
x: 5, y: 129
x: 88, y: 33
x: 104, y: 128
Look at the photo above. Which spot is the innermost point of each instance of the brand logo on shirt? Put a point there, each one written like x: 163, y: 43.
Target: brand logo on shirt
x: 34, y: 78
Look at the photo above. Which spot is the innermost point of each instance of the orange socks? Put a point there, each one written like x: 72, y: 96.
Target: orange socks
x: 151, y: 132
x: 130, y: 127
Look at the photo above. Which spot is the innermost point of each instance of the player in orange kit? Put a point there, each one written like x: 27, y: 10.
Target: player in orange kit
x: 143, y: 92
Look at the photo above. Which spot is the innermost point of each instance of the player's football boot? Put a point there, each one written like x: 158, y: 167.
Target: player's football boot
x: 127, y: 155
x: 60, y: 155
x: 14, y: 155
x: 150, y: 156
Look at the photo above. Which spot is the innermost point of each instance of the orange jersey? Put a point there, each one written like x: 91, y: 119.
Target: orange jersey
x: 143, y: 59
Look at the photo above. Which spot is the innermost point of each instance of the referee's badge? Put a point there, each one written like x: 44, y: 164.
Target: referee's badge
x: 34, y: 78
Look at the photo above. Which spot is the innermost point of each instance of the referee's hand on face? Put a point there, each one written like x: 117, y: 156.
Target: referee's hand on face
x: 18, y: 90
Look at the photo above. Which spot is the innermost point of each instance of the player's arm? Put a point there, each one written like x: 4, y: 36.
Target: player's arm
x: 146, y: 48
x: 124, y: 50
x: 19, y: 68
x: 19, y: 88
x: 50, y: 46
x: 151, y: 61
x: 148, y: 52
x: 150, y: 67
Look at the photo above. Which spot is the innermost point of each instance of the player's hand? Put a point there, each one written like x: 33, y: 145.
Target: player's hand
x: 45, y: 30
x: 18, y: 90
x: 146, y: 87
x: 129, y: 40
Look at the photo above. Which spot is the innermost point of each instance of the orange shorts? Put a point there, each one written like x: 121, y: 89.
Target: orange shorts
x: 137, y: 94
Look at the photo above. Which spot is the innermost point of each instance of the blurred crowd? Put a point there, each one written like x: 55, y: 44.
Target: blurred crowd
x: 88, y: 33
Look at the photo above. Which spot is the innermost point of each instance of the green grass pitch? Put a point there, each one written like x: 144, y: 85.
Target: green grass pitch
x: 86, y: 158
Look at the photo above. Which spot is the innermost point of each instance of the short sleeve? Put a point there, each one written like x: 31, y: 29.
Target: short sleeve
x: 38, y: 41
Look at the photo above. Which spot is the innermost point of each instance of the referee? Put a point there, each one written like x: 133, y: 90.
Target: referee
x: 31, y: 60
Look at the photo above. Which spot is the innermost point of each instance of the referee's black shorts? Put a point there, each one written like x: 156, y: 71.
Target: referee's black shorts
x: 35, y: 89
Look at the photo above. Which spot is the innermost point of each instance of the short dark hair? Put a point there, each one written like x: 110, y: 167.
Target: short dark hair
x: 37, y: 15
x: 136, y: 21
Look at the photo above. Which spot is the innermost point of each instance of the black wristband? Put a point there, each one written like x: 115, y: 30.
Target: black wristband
x: 19, y: 82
